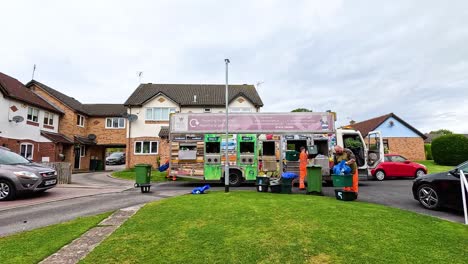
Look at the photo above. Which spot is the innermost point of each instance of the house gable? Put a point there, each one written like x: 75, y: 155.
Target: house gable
x: 392, y: 127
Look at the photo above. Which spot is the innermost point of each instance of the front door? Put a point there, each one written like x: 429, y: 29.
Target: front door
x: 77, y: 158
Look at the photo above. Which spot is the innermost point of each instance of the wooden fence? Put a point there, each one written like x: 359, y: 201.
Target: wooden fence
x: 64, y: 171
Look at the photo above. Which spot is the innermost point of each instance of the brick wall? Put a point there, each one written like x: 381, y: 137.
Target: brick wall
x: 410, y: 148
x: 40, y: 149
x: 132, y: 158
x: 97, y: 126
x: 67, y: 123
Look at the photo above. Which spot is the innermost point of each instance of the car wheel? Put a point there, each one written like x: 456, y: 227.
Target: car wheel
x: 419, y: 173
x: 429, y: 197
x: 235, y: 179
x: 380, y: 175
x: 7, y: 190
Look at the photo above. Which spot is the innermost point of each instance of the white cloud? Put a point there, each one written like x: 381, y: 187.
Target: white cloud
x: 359, y: 58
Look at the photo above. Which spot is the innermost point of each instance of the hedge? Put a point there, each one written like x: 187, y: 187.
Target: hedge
x: 450, y: 150
x: 428, y: 151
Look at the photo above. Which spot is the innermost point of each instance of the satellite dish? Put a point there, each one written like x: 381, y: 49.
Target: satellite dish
x: 17, y: 119
x: 132, y: 118
x: 92, y: 136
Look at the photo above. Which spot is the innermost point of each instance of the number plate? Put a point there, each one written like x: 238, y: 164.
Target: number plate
x: 50, y: 182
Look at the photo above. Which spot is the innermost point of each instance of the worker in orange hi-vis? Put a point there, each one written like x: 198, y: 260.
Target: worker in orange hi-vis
x: 347, y: 155
x: 302, y: 167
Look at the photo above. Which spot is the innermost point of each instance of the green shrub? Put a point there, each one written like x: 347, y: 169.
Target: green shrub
x: 450, y: 150
x: 428, y: 151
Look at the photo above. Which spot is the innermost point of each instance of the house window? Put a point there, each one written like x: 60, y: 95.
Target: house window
x: 80, y: 120
x: 159, y: 113
x: 115, y: 122
x: 33, y: 114
x: 48, y: 119
x: 146, y: 147
x: 82, y: 150
x: 26, y: 150
x: 385, y: 144
x: 207, y: 110
x: 240, y: 109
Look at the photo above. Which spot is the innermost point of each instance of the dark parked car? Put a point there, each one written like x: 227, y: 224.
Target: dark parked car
x: 18, y: 175
x: 438, y: 190
x: 116, y: 158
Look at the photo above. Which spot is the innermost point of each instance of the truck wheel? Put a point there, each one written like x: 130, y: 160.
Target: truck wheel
x: 235, y: 179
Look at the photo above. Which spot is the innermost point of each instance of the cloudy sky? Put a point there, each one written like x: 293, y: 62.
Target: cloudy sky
x: 361, y: 59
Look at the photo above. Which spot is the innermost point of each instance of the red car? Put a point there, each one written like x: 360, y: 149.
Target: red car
x: 395, y: 165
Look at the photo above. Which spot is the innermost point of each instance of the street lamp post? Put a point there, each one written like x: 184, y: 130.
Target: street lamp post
x: 226, y: 163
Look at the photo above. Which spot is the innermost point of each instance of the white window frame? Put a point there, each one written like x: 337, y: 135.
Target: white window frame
x: 48, y: 119
x: 82, y: 151
x: 26, y: 150
x: 240, y: 110
x: 112, y: 122
x: 150, y: 147
x: 153, y: 113
x: 31, y: 111
x: 80, y: 120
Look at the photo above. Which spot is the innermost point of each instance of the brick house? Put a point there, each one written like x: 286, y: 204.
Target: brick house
x: 153, y: 104
x: 91, y: 127
x: 399, y: 137
x: 28, y: 123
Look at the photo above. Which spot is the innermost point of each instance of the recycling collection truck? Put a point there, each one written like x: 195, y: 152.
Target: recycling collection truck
x: 263, y: 144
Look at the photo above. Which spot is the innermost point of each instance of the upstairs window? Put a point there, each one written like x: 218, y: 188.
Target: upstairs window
x: 159, y: 113
x: 33, y: 114
x: 240, y: 109
x: 48, y: 119
x: 80, y: 120
x: 115, y: 122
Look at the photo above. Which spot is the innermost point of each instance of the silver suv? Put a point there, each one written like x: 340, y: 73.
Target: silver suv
x: 19, y: 175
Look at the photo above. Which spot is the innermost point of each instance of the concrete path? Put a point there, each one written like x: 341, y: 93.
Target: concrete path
x: 82, y: 246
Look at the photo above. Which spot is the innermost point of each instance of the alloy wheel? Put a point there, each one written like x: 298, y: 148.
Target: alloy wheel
x: 380, y: 175
x: 428, y: 197
x: 4, y: 190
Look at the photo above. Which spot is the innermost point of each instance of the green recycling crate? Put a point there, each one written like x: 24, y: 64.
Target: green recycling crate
x: 143, y: 177
x: 342, y: 180
x: 314, y: 179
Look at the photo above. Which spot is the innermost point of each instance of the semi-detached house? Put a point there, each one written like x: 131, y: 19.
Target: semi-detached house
x: 27, y: 120
x: 90, y: 128
x: 147, y: 136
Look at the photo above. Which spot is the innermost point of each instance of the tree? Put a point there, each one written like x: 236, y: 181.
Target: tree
x: 441, y: 132
x: 302, y: 110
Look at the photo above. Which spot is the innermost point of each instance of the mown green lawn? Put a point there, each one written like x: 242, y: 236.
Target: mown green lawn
x: 432, y: 167
x: 156, y: 176
x: 129, y: 174
x: 250, y: 227
x: 35, y: 245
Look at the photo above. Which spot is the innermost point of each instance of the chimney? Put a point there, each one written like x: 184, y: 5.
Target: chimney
x: 352, y: 122
x: 194, y: 98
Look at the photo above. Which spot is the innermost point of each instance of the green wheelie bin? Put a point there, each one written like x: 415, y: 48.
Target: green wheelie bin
x: 143, y: 177
x: 314, y: 179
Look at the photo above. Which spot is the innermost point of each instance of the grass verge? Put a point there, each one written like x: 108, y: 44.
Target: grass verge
x: 250, y: 227
x: 156, y: 176
x: 433, y: 167
x: 35, y: 245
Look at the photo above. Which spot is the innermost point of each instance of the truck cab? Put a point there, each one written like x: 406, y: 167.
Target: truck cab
x: 369, y: 155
